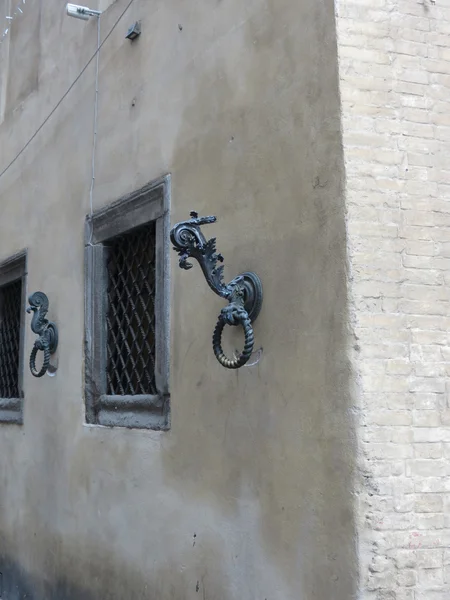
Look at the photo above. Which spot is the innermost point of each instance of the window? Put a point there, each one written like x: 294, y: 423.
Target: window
x: 127, y: 326
x: 130, y: 318
x: 12, y: 317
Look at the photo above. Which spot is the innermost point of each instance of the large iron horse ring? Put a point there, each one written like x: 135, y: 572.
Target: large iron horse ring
x: 244, y: 293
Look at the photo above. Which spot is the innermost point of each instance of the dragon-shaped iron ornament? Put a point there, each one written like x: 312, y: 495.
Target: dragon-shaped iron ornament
x: 47, y: 342
x: 244, y: 292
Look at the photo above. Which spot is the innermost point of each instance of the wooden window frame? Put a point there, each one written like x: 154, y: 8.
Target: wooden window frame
x: 151, y: 203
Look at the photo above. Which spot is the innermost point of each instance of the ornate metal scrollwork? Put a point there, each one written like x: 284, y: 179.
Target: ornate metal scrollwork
x: 244, y: 292
x: 47, y: 342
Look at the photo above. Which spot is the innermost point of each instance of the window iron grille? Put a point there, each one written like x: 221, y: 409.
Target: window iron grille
x: 10, y: 314
x: 127, y: 310
x: 130, y: 319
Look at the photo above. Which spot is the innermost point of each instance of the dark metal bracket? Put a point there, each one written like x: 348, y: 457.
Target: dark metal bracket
x: 244, y: 293
x: 47, y: 342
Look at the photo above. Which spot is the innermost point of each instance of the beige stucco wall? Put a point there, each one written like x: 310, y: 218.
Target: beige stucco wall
x: 249, y: 495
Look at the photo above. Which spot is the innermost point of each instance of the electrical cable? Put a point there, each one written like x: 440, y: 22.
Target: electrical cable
x: 94, y: 144
x: 66, y: 93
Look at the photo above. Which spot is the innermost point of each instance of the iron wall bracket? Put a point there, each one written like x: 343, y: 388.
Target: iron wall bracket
x: 244, y: 293
x: 47, y: 342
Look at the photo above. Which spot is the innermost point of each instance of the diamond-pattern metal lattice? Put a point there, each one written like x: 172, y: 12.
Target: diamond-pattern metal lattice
x: 10, y: 303
x: 131, y: 313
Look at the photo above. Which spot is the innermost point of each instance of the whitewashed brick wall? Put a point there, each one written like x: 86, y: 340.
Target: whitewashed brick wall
x: 395, y: 87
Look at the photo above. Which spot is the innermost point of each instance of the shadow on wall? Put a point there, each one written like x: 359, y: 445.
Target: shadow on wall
x: 274, y: 443
x: 17, y: 585
x: 95, y: 575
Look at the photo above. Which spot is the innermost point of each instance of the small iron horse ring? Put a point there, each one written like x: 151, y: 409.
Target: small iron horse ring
x: 47, y: 342
x: 44, y: 346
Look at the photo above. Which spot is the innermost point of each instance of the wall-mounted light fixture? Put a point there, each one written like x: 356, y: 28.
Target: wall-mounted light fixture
x: 134, y: 31
x: 81, y: 12
x: 244, y: 293
x: 47, y: 342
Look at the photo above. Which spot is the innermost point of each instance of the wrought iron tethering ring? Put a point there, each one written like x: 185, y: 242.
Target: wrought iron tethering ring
x: 244, y: 292
x: 47, y: 342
